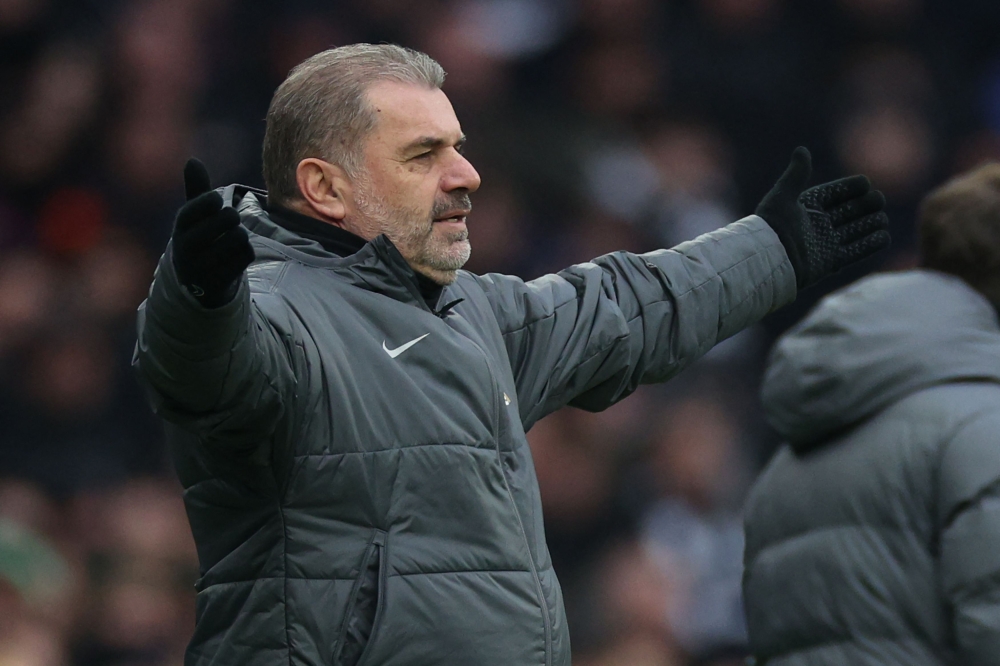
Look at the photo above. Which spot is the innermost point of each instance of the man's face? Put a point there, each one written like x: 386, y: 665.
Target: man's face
x: 416, y: 184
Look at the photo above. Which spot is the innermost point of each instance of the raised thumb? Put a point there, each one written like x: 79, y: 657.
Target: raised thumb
x: 796, y: 176
x: 196, y: 180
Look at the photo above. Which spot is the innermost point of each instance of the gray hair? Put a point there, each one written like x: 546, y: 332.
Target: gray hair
x: 321, y: 111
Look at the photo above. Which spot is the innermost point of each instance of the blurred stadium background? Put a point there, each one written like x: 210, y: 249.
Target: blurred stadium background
x: 597, y: 125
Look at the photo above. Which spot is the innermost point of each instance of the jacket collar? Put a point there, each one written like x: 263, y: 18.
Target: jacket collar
x: 335, y: 240
x: 376, y: 265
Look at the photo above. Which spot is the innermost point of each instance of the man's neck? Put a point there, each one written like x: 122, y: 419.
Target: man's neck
x: 303, y: 208
x: 333, y: 238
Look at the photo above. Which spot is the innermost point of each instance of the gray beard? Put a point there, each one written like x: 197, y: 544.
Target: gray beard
x: 416, y: 242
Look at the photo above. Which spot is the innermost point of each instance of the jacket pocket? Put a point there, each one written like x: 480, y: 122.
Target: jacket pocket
x: 364, y: 606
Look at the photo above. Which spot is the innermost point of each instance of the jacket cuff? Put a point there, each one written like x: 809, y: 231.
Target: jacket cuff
x: 784, y: 284
x: 205, y: 332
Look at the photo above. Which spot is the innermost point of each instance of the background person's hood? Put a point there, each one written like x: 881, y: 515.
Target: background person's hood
x: 872, y: 344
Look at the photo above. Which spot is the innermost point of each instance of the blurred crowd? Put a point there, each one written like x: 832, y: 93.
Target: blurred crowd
x: 597, y: 125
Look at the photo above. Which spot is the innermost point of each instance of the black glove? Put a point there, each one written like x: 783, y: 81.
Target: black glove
x: 211, y: 249
x: 827, y: 227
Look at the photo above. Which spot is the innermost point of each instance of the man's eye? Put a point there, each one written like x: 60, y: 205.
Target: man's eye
x: 423, y: 156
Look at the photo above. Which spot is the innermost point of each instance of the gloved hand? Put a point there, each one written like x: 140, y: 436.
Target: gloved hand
x: 210, y: 247
x: 826, y: 227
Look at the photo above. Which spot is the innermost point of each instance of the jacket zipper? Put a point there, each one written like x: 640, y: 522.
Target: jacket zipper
x: 546, y: 620
x: 421, y: 303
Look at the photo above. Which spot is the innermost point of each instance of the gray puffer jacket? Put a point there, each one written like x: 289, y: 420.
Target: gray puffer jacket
x: 874, y: 536
x: 354, y: 460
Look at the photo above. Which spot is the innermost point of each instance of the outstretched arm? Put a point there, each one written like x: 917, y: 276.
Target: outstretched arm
x: 590, y: 334
x: 207, y: 353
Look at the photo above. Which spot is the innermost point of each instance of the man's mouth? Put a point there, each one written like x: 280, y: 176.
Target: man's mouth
x: 453, y: 216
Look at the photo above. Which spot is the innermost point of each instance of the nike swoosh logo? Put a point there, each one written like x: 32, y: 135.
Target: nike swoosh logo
x: 393, y: 353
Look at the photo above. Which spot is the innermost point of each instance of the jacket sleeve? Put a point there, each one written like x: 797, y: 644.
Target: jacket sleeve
x: 590, y: 334
x: 223, y: 374
x: 969, y: 514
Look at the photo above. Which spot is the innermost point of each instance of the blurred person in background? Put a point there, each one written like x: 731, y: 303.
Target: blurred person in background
x: 885, y: 126
x: 101, y: 580
x: 72, y: 421
x: 693, y: 527
x: 139, y: 561
x: 629, y: 593
x: 873, y: 536
x: 694, y: 177
x: 34, y: 582
x: 39, y: 579
x: 347, y: 416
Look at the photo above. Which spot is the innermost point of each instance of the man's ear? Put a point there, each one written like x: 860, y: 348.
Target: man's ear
x: 325, y: 188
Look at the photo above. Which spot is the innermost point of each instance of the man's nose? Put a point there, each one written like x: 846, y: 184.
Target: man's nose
x: 461, y: 176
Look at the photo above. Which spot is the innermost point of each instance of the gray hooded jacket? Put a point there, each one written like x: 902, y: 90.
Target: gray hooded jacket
x: 874, y: 536
x: 354, y: 461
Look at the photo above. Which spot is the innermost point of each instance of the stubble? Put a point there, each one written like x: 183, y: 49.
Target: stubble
x: 414, y: 234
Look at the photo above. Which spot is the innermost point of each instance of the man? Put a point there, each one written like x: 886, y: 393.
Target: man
x: 347, y: 416
x: 874, y: 536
